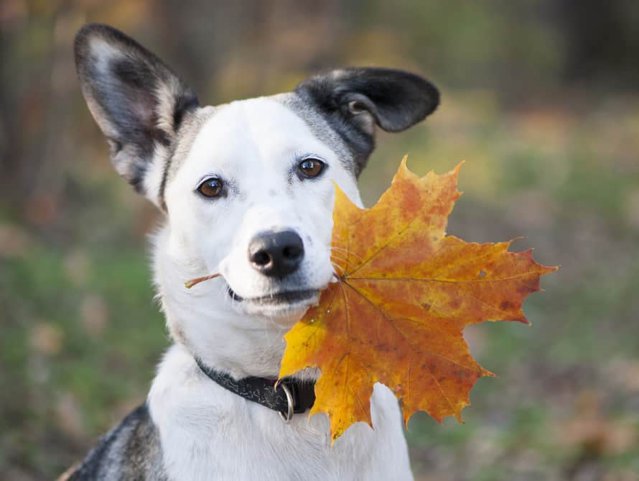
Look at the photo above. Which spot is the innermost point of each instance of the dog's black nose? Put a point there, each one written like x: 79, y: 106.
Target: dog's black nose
x: 276, y: 253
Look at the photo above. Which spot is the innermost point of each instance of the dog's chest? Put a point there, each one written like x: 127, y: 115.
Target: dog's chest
x: 208, y: 433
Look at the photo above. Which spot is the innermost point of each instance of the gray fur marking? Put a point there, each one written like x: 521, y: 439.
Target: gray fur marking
x: 191, y: 126
x: 130, y: 452
x: 319, y: 127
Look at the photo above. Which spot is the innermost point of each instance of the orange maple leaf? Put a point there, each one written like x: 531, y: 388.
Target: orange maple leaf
x: 404, y: 294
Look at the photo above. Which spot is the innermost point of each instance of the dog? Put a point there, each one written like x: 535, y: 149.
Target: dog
x: 247, y: 191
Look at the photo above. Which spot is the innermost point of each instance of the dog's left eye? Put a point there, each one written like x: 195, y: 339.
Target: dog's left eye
x: 310, y: 168
x: 211, y: 187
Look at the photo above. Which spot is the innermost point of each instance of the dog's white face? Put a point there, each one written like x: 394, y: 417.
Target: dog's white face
x: 247, y: 187
x: 253, y: 201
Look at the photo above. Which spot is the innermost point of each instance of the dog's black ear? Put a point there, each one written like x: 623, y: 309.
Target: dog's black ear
x: 137, y: 101
x: 355, y: 100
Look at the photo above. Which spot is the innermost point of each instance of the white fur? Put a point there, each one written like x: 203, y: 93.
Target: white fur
x: 206, y: 431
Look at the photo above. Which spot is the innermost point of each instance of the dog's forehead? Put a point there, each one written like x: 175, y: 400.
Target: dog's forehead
x: 283, y: 120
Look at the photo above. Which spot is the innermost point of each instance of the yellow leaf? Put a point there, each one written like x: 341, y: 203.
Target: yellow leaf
x: 404, y: 294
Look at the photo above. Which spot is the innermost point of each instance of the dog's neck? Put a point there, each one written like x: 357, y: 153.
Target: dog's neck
x: 202, y: 319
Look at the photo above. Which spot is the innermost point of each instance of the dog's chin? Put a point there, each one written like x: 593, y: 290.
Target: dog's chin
x: 285, y: 307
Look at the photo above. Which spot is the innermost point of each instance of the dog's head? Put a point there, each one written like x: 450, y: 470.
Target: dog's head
x: 247, y: 187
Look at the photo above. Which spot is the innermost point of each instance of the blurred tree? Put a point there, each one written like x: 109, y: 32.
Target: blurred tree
x: 602, y: 41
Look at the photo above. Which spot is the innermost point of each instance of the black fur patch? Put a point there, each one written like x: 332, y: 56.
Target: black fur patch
x: 123, y: 80
x: 350, y: 98
x: 185, y: 103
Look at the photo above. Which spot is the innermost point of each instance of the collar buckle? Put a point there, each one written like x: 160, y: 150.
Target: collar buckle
x: 290, y: 401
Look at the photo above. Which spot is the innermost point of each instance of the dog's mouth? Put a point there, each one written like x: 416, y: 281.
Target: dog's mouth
x: 277, y: 298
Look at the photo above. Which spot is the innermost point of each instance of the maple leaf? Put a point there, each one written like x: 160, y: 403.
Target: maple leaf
x: 404, y: 294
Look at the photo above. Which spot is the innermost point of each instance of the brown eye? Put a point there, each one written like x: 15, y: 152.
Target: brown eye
x: 310, y: 168
x: 212, y: 187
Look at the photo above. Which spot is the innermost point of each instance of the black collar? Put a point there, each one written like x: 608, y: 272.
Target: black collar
x: 288, y: 397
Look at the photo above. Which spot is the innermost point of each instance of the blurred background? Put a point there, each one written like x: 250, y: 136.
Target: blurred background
x: 540, y: 97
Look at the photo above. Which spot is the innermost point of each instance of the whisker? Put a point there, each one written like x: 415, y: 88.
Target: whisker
x: 339, y: 270
x: 339, y: 261
x: 197, y: 280
x: 339, y: 248
x: 345, y: 251
x: 339, y: 255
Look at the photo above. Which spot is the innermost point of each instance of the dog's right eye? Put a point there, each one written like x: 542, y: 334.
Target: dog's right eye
x: 211, y: 187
